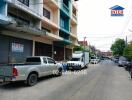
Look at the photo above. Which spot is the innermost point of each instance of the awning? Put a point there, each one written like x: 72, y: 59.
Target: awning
x: 62, y: 43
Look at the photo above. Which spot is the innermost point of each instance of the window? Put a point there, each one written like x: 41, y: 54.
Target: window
x: 26, y: 2
x: 46, y: 13
x: 47, y: 30
x: 82, y: 59
x: 51, y: 61
x: 44, y: 60
x: 75, y: 59
x: 66, y: 2
x: 35, y: 59
x: 62, y: 23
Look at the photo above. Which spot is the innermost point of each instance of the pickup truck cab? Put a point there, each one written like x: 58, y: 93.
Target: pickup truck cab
x: 34, y: 68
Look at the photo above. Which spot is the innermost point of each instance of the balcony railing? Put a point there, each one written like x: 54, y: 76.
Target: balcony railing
x: 23, y: 6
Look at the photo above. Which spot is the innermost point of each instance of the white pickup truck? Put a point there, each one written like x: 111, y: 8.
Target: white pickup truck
x: 34, y: 68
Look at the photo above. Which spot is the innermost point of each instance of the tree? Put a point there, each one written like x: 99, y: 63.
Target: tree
x: 118, y: 47
x: 128, y: 50
x: 78, y: 48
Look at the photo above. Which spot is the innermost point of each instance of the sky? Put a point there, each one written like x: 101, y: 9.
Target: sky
x: 100, y: 28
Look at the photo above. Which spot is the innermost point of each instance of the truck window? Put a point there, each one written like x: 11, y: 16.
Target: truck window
x: 93, y: 57
x: 34, y: 59
x: 75, y: 59
x: 82, y: 59
x: 44, y: 60
x: 51, y: 61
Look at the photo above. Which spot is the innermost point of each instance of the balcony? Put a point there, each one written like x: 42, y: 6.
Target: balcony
x: 74, y: 15
x: 53, y: 4
x: 4, y: 20
x: 24, y: 26
x: 74, y: 19
x: 65, y: 9
x: 19, y: 5
x: 50, y: 23
x: 74, y: 35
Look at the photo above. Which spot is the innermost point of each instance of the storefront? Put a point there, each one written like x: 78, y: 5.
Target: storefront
x: 14, y: 50
x: 58, y: 53
x: 68, y: 53
x: 42, y: 49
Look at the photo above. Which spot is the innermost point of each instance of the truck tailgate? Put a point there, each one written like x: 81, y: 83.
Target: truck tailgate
x: 5, y: 73
x: 6, y: 70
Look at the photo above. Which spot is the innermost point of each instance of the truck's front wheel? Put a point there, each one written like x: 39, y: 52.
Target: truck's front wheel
x: 32, y: 79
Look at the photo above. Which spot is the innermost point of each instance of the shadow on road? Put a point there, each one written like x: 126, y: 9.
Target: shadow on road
x: 18, y: 85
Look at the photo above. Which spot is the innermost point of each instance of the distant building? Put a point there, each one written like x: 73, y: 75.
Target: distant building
x: 83, y: 43
x: 106, y: 54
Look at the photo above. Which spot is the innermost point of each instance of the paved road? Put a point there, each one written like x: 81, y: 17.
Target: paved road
x: 104, y: 81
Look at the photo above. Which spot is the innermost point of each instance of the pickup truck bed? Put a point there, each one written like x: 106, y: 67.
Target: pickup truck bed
x: 6, y: 71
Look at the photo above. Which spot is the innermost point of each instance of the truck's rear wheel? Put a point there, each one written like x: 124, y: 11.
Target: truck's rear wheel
x: 32, y: 79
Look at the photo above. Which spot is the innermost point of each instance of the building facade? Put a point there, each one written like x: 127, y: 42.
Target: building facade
x: 37, y: 27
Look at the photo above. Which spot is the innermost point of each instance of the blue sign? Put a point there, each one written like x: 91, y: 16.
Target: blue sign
x: 117, y: 11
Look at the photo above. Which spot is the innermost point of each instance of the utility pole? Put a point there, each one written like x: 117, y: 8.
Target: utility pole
x: 126, y: 40
x: 84, y: 42
x: 84, y: 48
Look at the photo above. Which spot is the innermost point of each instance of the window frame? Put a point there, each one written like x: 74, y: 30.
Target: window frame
x: 50, y: 59
x: 46, y: 13
x: 25, y: 2
x: 45, y: 61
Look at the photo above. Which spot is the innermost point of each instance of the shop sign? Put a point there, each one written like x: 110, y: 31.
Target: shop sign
x: 17, y: 47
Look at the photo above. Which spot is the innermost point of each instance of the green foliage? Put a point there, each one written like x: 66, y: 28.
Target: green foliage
x: 118, y: 47
x: 128, y: 50
x: 78, y: 48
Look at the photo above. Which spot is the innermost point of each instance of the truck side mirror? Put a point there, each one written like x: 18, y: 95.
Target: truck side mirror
x: 54, y: 62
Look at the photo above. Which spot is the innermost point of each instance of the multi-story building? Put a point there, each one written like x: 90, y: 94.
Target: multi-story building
x: 37, y: 27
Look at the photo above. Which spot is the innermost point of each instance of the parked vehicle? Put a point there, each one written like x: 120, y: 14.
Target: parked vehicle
x: 116, y: 59
x: 122, y: 61
x: 34, y: 68
x: 94, y: 60
x: 128, y: 66
x: 79, y: 60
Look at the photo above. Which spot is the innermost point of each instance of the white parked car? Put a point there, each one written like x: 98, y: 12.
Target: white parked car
x: 94, y: 60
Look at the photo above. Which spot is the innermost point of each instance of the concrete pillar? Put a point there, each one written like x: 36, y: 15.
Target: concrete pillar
x: 53, y: 50
x: 64, y: 53
x: 33, y: 49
